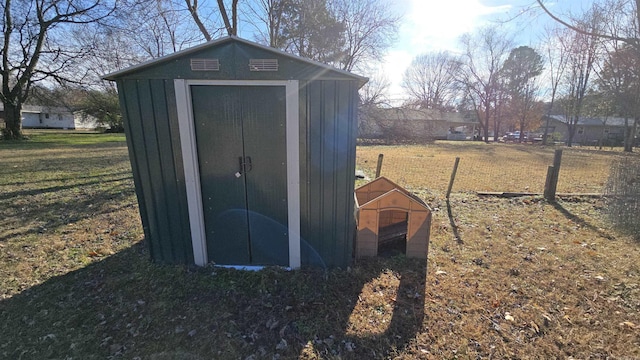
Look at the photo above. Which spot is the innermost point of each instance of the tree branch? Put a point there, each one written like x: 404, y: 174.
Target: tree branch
x: 193, y: 10
x: 630, y: 41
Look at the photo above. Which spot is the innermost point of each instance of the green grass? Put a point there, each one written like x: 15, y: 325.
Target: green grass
x: 48, y: 138
x: 507, y: 278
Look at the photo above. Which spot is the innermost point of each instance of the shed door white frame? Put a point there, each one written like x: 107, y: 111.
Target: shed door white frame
x: 192, y: 170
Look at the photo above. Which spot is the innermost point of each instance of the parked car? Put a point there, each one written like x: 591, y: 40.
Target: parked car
x: 515, y: 136
x: 456, y: 135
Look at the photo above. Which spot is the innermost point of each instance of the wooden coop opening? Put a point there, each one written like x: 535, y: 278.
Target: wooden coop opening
x: 392, y: 232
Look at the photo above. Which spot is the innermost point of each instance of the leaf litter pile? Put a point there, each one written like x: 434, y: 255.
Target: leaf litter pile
x: 505, y: 278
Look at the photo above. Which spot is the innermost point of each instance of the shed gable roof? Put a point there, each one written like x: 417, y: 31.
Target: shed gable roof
x: 231, y: 39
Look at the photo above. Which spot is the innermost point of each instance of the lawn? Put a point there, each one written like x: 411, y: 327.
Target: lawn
x: 489, y: 167
x: 506, y: 278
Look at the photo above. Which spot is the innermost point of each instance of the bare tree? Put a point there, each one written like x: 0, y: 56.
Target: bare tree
x: 369, y: 30
x: 230, y: 25
x: 227, y: 13
x: 484, y: 54
x: 159, y: 27
x: 373, y: 96
x: 266, y: 16
x: 583, y: 52
x: 430, y: 81
x: 34, y: 47
x: 614, y: 12
x: 557, y: 60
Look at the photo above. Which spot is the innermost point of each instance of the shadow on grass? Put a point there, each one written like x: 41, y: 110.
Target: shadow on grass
x: 127, y: 306
x: 99, y: 179
x: 580, y: 221
x: 80, y: 141
x: 30, y: 211
x: 454, y: 226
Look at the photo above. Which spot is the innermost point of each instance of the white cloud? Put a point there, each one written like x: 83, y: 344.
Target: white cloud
x: 395, y: 63
x: 432, y: 26
x: 436, y: 25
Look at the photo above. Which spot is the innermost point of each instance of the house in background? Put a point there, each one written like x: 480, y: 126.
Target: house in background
x: 416, y: 124
x: 589, y: 131
x: 50, y: 117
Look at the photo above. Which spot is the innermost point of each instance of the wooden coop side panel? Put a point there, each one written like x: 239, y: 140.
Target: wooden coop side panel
x: 367, y: 244
x: 418, y: 234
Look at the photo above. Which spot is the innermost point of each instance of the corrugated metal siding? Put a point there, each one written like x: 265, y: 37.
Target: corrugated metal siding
x: 151, y: 129
x: 327, y: 180
x: 328, y: 107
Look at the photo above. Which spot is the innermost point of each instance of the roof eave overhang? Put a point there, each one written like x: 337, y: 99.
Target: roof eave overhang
x: 120, y: 73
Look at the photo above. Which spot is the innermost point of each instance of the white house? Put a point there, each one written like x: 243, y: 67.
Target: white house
x: 49, y: 117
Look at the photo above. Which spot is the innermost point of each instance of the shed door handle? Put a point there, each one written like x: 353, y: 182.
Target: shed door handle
x: 245, y: 164
x: 248, y: 166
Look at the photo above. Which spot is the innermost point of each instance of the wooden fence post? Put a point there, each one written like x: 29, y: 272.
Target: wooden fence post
x: 379, y: 167
x: 553, y: 174
x: 453, y: 176
x: 547, y: 183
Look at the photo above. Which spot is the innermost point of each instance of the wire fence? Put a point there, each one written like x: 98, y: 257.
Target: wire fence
x: 488, y: 167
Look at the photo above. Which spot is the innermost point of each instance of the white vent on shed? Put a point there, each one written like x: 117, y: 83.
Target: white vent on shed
x: 263, y: 64
x: 205, y: 65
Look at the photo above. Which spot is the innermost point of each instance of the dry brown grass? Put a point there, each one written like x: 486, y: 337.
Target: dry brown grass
x: 531, y: 280
x: 507, y: 278
x: 488, y: 167
x: 62, y: 207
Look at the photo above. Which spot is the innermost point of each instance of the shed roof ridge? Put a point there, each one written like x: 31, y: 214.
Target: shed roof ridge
x: 151, y: 62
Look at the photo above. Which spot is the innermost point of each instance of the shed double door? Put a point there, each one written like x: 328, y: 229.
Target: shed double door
x: 241, y: 144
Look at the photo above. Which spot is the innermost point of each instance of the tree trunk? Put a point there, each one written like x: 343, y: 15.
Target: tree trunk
x: 546, y: 129
x: 572, y: 131
x: 12, y: 121
x: 486, y: 123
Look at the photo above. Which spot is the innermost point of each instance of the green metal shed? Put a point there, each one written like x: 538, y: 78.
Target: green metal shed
x: 242, y: 155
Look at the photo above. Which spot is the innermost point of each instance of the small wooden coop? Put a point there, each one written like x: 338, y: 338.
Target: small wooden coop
x: 387, y: 212
x: 242, y: 155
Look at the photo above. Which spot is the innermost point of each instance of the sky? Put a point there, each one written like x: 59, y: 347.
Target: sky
x: 435, y: 25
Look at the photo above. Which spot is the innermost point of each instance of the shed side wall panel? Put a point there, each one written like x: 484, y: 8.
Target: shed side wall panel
x: 327, y: 197
x: 329, y: 166
x: 160, y: 209
x: 313, y: 221
x: 131, y: 146
x: 170, y: 193
x: 181, y: 207
x: 133, y: 126
x: 348, y: 106
x: 149, y: 121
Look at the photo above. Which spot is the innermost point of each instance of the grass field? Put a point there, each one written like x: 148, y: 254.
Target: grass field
x: 507, y: 278
x: 489, y: 167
